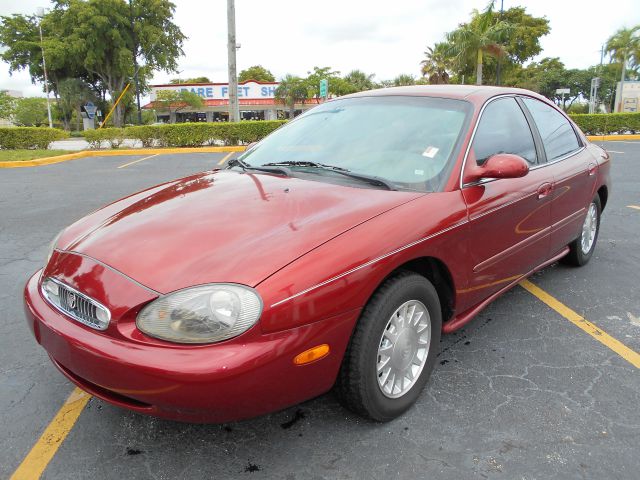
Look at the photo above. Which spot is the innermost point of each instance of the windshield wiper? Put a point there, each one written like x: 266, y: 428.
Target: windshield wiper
x: 371, y: 179
x: 236, y: 162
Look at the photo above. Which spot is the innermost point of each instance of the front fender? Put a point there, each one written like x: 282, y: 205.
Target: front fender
x: 342, y: 274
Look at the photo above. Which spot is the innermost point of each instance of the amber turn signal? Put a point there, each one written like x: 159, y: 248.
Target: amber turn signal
x: 311, y: 355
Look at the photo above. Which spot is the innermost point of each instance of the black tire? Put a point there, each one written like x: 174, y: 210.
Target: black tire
x: 576, y: 256
x: 357, y: 385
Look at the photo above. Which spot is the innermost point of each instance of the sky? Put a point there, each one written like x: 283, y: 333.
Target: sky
x: 382, y: 37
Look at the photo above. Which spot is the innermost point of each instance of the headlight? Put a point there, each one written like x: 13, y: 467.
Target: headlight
x: 204, y: 314
x: 52, y: 246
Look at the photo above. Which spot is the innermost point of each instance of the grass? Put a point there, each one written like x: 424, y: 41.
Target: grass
x: 20, y: 155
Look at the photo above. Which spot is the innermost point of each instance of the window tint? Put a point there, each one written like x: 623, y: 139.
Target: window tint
x: 557, y: 135
x: 503, y: 128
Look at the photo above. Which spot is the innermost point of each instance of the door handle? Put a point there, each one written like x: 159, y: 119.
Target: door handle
x: 544, y: 190
x: 592, y: 169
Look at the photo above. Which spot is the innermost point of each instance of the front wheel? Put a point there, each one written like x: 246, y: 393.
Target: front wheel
x: 393, y: 349
x: 581, y: 249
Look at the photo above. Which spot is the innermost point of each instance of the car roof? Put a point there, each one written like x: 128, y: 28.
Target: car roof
x: 477, y: 94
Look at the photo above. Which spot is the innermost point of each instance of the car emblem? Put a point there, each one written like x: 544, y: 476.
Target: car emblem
x: 71, y: 301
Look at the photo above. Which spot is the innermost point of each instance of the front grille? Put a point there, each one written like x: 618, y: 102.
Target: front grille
x: 75, y: 304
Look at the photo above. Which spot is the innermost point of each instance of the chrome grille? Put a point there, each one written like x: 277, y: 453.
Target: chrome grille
x: 75, y: 304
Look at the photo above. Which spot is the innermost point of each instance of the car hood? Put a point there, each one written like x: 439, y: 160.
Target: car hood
x: 224, y: 226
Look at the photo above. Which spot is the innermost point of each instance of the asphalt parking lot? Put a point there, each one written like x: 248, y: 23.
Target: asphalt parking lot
x: 521, y: 392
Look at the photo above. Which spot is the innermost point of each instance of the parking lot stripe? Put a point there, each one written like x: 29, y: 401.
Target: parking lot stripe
x: 600, y: 335
x: 45, y: 448
x: 225, y: 158
x: 139, y: 160
x: 634, y: 206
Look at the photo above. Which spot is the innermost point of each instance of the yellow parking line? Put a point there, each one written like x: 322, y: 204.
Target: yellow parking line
x: 225, y: 158
x: 139, y: 160
x: 600, y: 335
x: 634, y: 206
x: 45, y: 448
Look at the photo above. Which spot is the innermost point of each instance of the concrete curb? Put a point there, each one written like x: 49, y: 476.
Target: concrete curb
x: 612, y: 138
x: 114, y: 153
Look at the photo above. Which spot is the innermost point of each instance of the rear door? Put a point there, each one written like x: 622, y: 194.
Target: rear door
x: 572, y: 168
x: 509, y: 219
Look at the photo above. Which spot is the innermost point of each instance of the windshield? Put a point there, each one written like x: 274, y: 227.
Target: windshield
x: 408, y: 141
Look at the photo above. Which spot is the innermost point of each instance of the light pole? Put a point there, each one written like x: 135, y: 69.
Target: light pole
x: 595, y: 83
x: 499, y: 59
x: 135, y: 62
x: 620, y: 106
x: 234, y: 109
x: 40, y: 14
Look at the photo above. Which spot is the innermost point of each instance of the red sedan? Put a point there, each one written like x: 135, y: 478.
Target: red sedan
x: 332, y: 253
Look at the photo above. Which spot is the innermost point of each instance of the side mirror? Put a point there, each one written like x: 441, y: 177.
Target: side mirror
x: 500, y: 165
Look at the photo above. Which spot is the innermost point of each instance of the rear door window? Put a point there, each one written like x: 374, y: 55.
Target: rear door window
x: 503, y: 128
x: 558, y: 137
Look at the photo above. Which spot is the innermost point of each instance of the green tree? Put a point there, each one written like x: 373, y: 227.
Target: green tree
x: 19, y: 35
x: 520, y: 42
x: 522, y: 37
x: 7, y: 105
x: 437, y: 64
x: 31, y: 112
x: 608, y: 74
x: 543, y: 77
x: 385, y: 84
x: 173, y: 101
x: 73, y: 93
x: 403, y: 80
x: 312, y: 82
x: 624, y: 47
x: 257, y: 73
x: 359, y: 80
x: 93, y: 40
x: 550, y: 74
x: 190, y: 80
x: 290, y: 91
x: 482, y: 36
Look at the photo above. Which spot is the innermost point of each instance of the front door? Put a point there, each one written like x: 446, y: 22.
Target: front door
x: 509, y: 219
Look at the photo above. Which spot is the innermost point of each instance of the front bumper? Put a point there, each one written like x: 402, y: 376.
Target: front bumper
x: 244, y: 377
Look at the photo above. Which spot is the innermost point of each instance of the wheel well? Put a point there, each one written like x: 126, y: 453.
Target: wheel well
x: 438, y: 274
x: 603, y: 193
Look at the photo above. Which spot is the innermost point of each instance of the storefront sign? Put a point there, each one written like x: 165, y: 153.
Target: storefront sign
x: 216, y: 91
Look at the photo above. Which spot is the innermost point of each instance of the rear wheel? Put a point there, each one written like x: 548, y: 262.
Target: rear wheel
x: 393, y: 349
x: 581, y: 249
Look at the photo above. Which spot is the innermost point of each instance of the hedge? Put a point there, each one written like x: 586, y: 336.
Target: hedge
x: 12, y: 138
x: 113, y: 136
x: 185, y: 134
x: 607, y: 123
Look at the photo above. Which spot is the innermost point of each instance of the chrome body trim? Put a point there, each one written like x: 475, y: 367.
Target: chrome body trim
x: 564, y: 157
x: 70, y: 313
x: 504, y: 205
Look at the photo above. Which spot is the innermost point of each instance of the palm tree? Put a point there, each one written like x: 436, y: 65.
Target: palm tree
x: 403, y: 80
x: 359, y: 80
x: 436, y: 64
x: 624, y: 46
x: 481, y: 36
x: 291, y: 90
